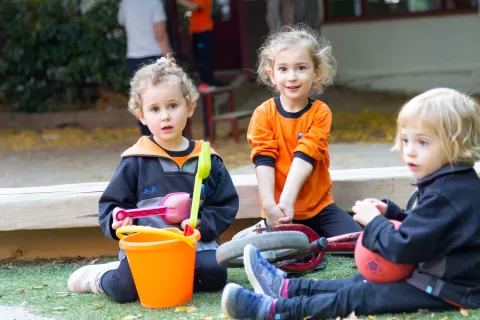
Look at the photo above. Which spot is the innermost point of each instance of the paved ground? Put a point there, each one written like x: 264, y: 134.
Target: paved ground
x: 63, y: 166
x: 18, y: 313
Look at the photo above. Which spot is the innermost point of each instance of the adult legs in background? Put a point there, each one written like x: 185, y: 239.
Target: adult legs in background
x: 132, y: 66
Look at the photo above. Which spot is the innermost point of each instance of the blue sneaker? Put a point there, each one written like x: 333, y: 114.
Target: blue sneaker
x: 240, y: 303
x: 264, y: 277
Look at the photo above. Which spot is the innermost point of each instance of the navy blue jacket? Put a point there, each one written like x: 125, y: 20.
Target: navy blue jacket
x: 147, y: 173
x: 441, y: 234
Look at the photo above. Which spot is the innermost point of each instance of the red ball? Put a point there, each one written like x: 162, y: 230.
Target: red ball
x: 374, y: 268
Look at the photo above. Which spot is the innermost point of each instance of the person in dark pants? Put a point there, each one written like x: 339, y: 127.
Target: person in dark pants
x: 145, y: 24
x: 438, y: 134
x: 201, y: 30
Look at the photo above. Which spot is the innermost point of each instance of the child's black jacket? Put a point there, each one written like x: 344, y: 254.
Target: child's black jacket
x: 147, y: 173
x: 441, y: 234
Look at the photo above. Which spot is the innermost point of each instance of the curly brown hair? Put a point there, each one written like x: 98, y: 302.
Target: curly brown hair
x: 154, y: 74
x: 289, y: 37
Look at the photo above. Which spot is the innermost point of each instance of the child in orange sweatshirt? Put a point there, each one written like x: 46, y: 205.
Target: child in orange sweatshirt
x: 289, y: 134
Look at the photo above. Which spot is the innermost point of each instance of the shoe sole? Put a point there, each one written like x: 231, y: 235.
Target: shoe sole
x: 249, y: 271
x: 224, y: 299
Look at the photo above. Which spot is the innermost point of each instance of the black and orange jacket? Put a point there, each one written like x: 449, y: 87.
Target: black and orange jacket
x: 147, y: 173
x: 277, y: 136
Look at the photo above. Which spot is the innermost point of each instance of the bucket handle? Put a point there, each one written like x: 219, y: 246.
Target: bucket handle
x: 144, y: 229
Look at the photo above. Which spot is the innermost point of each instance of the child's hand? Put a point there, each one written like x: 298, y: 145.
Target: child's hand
x: 274, y: 214
x: 117, y: 224
x: 364, y: 211
x: 187, y: 221
x: 381, y: 206
x: 288, y: 210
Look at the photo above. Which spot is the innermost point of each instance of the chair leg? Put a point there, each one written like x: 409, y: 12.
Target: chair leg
x: 211, y: 127
x: 235, y: 130
x: 231, y: 101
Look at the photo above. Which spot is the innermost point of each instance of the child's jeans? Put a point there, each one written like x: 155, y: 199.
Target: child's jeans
x: 331, y: 221
x: 322, y: 299
x: 209, y: 276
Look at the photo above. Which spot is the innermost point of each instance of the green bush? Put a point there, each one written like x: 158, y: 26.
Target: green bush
x: 54, y: 57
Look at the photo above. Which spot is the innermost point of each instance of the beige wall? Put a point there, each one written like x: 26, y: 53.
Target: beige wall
x: 410, y: 54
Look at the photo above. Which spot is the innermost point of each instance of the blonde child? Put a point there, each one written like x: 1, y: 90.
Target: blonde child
x: 439, y: 138
x: 162, y: 97
x: 289, y: 134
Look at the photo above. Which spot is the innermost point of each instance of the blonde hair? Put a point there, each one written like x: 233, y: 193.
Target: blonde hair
x: 154, y: 74
x: 451, y: 116
x: 290, y: 36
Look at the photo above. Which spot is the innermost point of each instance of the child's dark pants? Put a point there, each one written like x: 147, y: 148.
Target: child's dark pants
x: 322, y: 299
x: 331, y: 221
x: 209, y: 276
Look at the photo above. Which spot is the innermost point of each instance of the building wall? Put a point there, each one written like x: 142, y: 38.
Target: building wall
x: 408, y: 55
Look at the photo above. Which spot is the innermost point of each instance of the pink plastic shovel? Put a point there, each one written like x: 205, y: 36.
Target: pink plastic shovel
x: 174, y: 208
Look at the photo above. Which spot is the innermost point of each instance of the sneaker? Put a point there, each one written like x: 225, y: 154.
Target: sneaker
x: 86, y: 279
x: 240, y: 303
x: 264, y: 277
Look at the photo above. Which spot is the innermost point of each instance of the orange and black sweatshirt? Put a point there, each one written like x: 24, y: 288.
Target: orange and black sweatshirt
x: 147, y: 173
x: 277, y: 136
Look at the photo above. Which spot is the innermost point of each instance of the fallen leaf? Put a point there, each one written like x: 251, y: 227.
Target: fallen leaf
x: 444, y: 318
x: 185, y: 309
x: 464, y: 312
x: 96, y: 306
x: 132, y: 317
x: 63, y: 294
x: 222, y: 316
x: 59, y: 308
x: 371, y: 317
x: 21, y: 290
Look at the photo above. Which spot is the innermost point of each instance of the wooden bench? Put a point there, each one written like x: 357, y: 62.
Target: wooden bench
x: 62, y: 221
x: 232, y: 116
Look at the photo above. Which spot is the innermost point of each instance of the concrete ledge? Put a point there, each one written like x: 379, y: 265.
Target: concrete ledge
x: 76, y: 205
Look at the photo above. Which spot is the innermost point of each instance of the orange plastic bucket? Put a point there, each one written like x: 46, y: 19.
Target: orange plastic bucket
x: 162, y: 262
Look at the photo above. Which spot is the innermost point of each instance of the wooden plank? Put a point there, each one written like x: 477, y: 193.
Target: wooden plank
x: 76, y: 205
x: 74, y: 242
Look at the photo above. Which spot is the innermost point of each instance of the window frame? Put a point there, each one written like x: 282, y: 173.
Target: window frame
x: 443, y: 11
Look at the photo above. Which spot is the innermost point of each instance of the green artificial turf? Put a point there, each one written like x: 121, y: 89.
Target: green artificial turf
x: 41, y: 287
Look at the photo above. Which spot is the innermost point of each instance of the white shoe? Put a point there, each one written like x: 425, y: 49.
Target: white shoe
x: 85, y: 279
